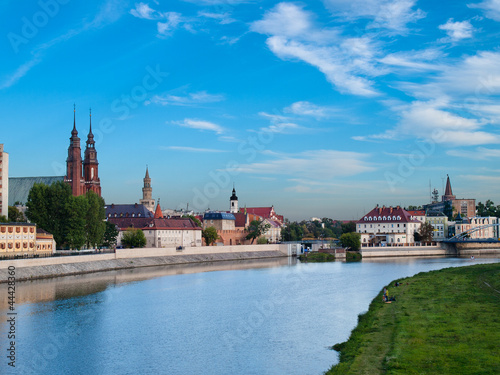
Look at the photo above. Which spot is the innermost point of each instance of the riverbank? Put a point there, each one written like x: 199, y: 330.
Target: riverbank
x: 30, y: 269
x: 442, y: 322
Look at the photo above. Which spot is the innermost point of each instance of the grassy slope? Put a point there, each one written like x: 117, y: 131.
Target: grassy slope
x: 443, y: 322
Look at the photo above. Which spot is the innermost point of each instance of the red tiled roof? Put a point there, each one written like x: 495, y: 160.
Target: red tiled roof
x: 264, y: 212
x: 416, y: 212
x: 241, y: 220
x: 391, y: 214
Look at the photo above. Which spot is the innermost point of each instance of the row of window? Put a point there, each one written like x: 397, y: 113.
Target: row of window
x: 3, y: 229
x: 370, y: 218
x: 126, y: 215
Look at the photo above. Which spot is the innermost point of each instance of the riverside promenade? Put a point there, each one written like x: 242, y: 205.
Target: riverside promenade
x: 37, y: 268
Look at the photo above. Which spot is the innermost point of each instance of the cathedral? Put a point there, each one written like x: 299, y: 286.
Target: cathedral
x: 82, y: 176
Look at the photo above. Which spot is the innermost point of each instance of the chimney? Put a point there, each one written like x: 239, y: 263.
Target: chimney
x: 390, y: 210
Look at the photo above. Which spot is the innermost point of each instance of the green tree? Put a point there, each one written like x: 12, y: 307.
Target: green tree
x: 256, y: 229
x: 15, y: 215
x: 3, y: 219
x: 488, y: 209
x: 95, y: 225
x: 351, y: 240
x: 75, y: 224
x: 425, y: 232
x: 133, y: 238
x: 348, y: 227
x: 261, y: 240
x: 210, y: 235
x: 110, y: 235
x: 49, y: 208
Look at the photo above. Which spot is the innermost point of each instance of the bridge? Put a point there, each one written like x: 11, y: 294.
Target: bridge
x: 466, y: 236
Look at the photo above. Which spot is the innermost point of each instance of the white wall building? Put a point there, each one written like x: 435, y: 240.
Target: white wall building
x: 387, y: 226
x: 476, y: 222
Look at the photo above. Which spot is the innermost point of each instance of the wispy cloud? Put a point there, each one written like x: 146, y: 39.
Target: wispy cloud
x: 316, y: 164
x: 167, y: 21
x: 109, y: 12
x: 457, y: 30
x: 480, y: 153
x: 393, y: 15
x: 428, y: 120
x: 191, y: 99
x: 223, y: 18
x: 420, y: 60
x: 200, y: 125
x: 491, y: 8
x: 192, y: 149
x: 305, y: 108
x: 345, y: 62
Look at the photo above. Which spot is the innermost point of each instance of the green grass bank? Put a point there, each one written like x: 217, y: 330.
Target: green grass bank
x: 442, y: 322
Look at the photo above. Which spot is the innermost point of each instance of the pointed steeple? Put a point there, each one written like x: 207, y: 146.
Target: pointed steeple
x: 147, y: 172
x: 74, y: 132
x: 448, y: 194
x: 90, y: 137
x: 158, y: 213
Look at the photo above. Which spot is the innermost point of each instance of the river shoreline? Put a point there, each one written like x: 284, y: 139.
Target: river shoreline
x: 440, y: 322
x: 92, y: 266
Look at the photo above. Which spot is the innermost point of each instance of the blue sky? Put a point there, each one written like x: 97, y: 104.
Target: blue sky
x: 321, y: 108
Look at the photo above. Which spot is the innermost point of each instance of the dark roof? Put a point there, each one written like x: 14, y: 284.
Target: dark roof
x: 241, y: 220
x: 149, y: 222
x: 391, y: 214
x: 218, y: 216
x: 19, y: 187
x: 127, y: 210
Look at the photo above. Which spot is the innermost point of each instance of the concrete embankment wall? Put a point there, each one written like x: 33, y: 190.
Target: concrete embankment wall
x: 27, y: 269
x: 477, y: 248
x: 369, y: 252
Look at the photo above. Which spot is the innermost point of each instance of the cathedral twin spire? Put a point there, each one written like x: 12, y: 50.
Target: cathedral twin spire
x: 82, y: 176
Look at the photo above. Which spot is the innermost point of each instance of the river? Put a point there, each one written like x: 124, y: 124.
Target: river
x: 274, y: 316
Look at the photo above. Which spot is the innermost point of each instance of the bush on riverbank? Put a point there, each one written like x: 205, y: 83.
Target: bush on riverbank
x: 442, y: 322
x: 352, y: 256
x: 317, y: 257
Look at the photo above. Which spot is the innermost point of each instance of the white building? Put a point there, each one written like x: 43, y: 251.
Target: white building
x: 387, y: 226
x: 476, y: 222
x: 4, y: 182
x: 273, y: 234
x: 160, y: 232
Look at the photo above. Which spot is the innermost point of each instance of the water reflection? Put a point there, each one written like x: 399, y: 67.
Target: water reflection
x: 252, y: 317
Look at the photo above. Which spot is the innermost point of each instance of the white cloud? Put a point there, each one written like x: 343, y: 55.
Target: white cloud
x: 167, y: 21
x: 20, y: 72
x: 328, y: 60
x: 143, y: 10
x: 480, y: 153
x: 457, y: 30
x: 393, y: 15
x: 318, y: 164
x: 422, y: 60
x: 192, y: 149
x: 429, y: 121
x: 305, y: 108
x: 222, y: 18
x: 191, y: 99
x: 200, y: 125
x: 491, y: 8
x: 345, y: 62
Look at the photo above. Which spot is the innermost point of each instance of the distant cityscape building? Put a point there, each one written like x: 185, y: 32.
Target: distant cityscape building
x: 161, y: 232
x: 439, y: 222
x: 233, y: 202
x: 127, y: 210
x: 82, y: 176
x: 387, y: 226
x: 4, y: 182
x: 492, y: 232
x: 466, y: 207
x: 25, y: 239
x: 147, y: 193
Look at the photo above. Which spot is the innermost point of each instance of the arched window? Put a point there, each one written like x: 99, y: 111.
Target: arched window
x: 399, y: 217
x: 380, y: 217
x: 366, y: 218
x: 384, y: 218
x: 370, y: 218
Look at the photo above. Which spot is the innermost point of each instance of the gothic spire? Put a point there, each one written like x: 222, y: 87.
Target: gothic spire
x: 147, y: 172
x: 74, y: 132
x: 90, y: 137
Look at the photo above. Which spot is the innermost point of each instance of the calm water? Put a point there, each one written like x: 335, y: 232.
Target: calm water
x: 259, y: 317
